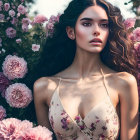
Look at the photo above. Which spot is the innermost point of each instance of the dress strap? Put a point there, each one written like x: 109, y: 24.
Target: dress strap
x: 104, y: 80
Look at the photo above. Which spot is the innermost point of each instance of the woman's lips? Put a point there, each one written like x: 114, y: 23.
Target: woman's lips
x: 96, y: 41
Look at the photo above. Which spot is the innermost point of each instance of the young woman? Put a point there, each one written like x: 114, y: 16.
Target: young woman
x: 89, y: 90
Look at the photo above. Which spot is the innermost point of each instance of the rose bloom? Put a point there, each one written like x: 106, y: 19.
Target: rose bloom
x: 40, y: 19
x: 14, y: 67
x: 21, y: 9
x: 12, y: 13
x: 136, y: 33
x: 37, y: 133
x: 129, y: 23
x: 2, y: 113
x: 11, y: 32
x: 18, y: 95
x: 18, y: 41
x: 25, y: 27
x: 12, y: 128
x: 2, y: 16
x: 26, y: 21
x: 6, y: 6
x: 35, y: 47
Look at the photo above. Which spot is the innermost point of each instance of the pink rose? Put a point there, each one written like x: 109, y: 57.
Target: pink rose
x: 18, y: 95
x: 18, y: 41
x: 25, y: 27
x: 35, y: 47
x: 14, y: 67
x: 12, y: 13
x: 11, y: 32
x: 21, y: 9
x: 40, y: 19
x: 136, y: 33
x: 129, y: 23
x: 6, y: 6
x: 26, y: 21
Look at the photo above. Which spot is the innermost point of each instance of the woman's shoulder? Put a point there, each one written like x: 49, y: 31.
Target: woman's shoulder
x: 44, y: 86
x: 126, y: 84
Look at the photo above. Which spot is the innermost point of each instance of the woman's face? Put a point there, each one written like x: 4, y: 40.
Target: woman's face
x: 92, y: 30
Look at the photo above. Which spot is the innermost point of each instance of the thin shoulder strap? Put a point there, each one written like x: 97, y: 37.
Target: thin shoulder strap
x: 104, y: 80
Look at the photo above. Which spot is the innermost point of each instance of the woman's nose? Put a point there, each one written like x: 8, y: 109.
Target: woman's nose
x: 96, y: 30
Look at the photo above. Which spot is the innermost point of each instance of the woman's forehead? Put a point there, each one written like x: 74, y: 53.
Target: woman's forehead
x: 94, y: 12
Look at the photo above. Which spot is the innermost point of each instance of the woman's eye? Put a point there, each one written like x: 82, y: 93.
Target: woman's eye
x: 104, y: 25
x: 86, y: 24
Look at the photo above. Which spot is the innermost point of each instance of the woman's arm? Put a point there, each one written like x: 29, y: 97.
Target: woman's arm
x: 128, y: 107
x: 40, y: 100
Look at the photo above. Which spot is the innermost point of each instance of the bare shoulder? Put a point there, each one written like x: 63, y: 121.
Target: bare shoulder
x: 44, y: 87
x: 126, y: 84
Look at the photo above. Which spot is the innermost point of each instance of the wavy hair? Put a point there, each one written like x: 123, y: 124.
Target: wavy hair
x: 59, y: 51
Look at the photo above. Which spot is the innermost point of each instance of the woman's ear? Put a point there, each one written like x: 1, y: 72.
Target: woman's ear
x: 70, y: 32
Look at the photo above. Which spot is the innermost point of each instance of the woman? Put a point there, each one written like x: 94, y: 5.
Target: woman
x: 89, y: 90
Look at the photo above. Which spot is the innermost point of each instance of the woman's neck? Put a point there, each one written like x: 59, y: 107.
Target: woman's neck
x: 86, y: 64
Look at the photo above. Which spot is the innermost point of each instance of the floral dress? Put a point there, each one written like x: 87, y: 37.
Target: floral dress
x: 101, y: 123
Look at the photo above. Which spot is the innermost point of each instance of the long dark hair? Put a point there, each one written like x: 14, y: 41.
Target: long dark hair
x: 59, y: 51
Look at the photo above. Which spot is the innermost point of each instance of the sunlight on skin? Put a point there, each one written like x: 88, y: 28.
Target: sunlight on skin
x: 53, y: 7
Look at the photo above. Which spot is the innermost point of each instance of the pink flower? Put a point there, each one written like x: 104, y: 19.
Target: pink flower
x: 12, y: 128
x: 35, y: 47
x: 6, y: 6
x: 14, y: 67
x: 40, y: 19
x: 11, y: 32
x: 129, y: 23
x: 136, y: 33
x: 2, y: 16
x: 18, y: 41
x: 2, y: 113
x: 38, y: 133
x: 18, y: 95
x: 12, y: 13
x: 21, y: 9
x: 25, y: 27
x: 131, y: 37
x: 26, y: 21
x: 4, y: 83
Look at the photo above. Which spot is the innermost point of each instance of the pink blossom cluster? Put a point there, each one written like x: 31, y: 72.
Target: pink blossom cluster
x: 12, y: 13
x: 14, y: 67
x: 18, y: 95
x: 6, y: 6
x: 14, y: 129
x: 40, y: 19
x: 18, y: 40
x: 2, y: 113
x: 50, y: 25
x: 4, y: 83
x: 129, y: 23
x: 10, y: 32
x: 35, y: 47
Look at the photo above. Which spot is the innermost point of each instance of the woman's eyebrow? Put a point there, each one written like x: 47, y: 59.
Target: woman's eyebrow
x: 90, y: 19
